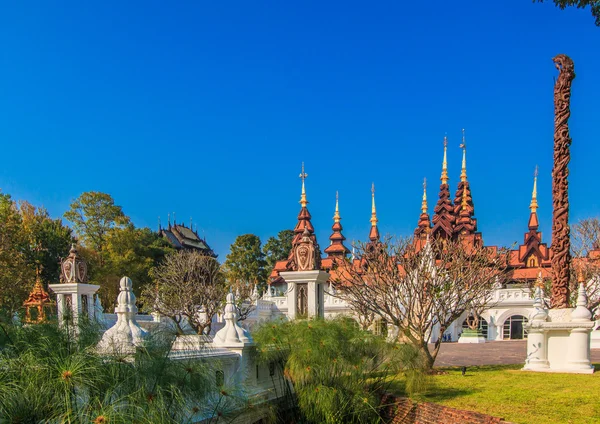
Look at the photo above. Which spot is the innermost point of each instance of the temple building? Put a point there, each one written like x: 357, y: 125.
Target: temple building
x: 452, y: 219
x: 181, y: 237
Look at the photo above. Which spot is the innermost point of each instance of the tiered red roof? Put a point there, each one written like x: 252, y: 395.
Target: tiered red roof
x: 443, y: 213
x: 336, y: 247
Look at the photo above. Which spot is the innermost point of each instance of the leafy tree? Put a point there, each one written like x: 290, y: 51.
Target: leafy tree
x: 188, y: 287
x: 93, y: 215
x: 48, y: 240
x: 245, y: 263
x: 338, y: 372
x: 580, y: 4
x: 278, y: 248
x: 419, y: 291
x: 128, y: 251
x: 16, y: 278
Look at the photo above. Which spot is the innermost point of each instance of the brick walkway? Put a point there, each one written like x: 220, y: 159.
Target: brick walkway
x: 490, y: 353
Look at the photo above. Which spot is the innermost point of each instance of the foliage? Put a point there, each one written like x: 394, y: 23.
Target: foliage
x: 338, y: 371
x: 189, y: 287
x: 517, y: 396
x: 419, y: 291
x: 580, y: 4
x: 277, y: 248
x: 48, y: 240
x: 93, y: 214
x: 128, y: 251
x: 49, y: 376
x: 245, y: 263
x: 15, y: 278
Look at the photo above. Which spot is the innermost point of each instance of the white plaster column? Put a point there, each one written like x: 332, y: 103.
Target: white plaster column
x: 292, y: 291
x: 578, y: 353
x: 60, y: 303
x: 537, y: 341
x: 76, y: 305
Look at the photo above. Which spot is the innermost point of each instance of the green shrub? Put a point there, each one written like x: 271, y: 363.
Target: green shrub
x: 337, y: 372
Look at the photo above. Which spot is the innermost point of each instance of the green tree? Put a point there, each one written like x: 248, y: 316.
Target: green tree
x: 580, y: 4
x: 128, y: 251
x: 48, y: 240
x: 93, y: 215
x: 278, y: 248
x: 16, y: 278
x: 245, y: 263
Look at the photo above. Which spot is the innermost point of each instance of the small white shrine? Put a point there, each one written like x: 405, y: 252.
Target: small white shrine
x: 74, y: 297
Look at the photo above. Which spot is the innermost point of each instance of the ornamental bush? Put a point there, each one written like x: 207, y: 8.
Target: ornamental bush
x: 333, y: 371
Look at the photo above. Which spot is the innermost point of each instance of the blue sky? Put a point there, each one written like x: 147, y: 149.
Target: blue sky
x: 207, y: 109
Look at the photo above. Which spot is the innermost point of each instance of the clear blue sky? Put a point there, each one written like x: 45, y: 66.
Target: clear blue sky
x: 207, y: 109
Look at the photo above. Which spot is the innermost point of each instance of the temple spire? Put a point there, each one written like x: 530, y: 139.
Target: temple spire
x: 373, y: 209
x: 443, y: 212
x: 336, y: 215
x: 444, y: 176
x: 374, y: 233
x: 303, y: 175
x: 463, y: 146
x: 336, y: 246
x: 424, y: 202
x: 424, y: 226
x: 534, y: 204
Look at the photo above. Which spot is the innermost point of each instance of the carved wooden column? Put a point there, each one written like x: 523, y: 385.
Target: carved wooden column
x: 561, y: 245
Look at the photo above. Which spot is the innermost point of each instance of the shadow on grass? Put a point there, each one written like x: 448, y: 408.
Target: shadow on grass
x: 481, y: 368
x: 432, y: 393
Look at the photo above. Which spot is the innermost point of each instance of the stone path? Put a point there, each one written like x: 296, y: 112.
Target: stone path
x: 491, y: 353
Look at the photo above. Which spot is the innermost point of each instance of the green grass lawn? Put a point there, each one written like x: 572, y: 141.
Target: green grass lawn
x: 519, y: 396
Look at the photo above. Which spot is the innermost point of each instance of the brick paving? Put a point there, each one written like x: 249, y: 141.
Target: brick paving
x: 490, y: 353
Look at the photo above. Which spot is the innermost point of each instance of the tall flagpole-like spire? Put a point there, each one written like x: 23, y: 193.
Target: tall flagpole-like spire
x: 373, y: 210
x: 444, y: 176
x: 424, y: 203
x: 534, y: 204
x: 336, y: 216
x: 463, y: 146
x: 303, y: 175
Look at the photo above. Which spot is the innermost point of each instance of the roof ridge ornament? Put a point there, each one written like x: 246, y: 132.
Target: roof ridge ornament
x: 303, y: 176
x: 534, y: 204
x: 444, y: 177
x: 463, y: 146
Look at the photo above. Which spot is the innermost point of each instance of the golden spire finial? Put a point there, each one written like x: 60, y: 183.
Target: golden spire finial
x: 303, y: 176
x: 424, y: 203
x: 336, y: 216
x: 534, y: 204
x: 463, y: 146
x: 444, y: 176
x: 373, y: 210
x: 464, y: 200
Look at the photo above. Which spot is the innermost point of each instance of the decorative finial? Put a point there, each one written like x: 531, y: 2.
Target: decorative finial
x: 464, y: 200
x: 303, y: 176
x: 463, y: 146
x: 444, y: 176
x: 174, y: 219
x: 159, y: 227
x: 190, y: 222
x: 534, y: 204
x: 424, y: 203
x: 336, y: 216
x: 169, y: 219
x: 373, y: 210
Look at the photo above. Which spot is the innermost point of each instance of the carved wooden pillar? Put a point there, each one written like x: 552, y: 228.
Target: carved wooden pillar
x: 561, y: 245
